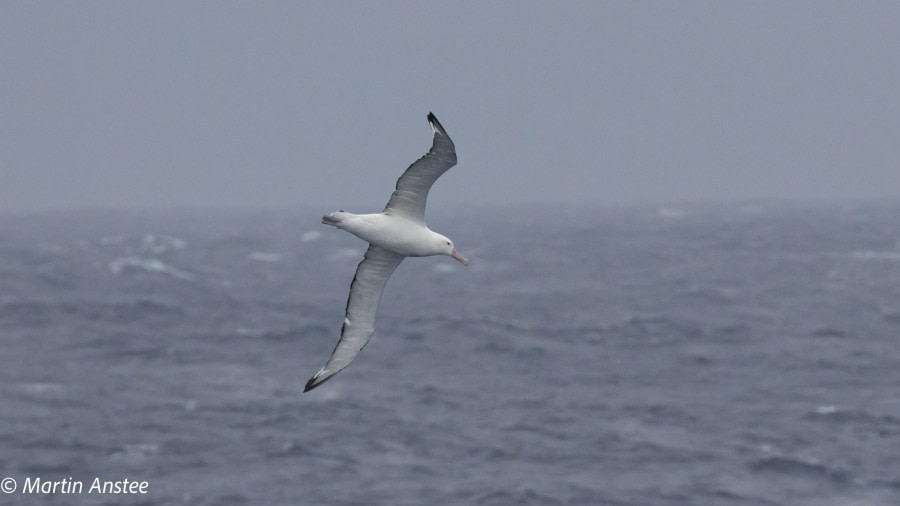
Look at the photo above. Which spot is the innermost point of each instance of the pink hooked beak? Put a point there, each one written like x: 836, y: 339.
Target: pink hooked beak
x: 461, y: 259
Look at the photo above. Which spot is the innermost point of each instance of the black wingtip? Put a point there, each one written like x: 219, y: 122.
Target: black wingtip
x: 316, y: 381
x: 313, y: 383
x: 437, y: 124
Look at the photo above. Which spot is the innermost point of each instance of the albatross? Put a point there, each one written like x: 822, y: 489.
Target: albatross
x: 393, y: 234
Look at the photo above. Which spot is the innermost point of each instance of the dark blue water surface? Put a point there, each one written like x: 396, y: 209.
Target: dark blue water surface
x: 692, y: 355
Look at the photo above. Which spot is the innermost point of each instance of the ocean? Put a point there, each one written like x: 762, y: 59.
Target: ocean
x: 702, y: 354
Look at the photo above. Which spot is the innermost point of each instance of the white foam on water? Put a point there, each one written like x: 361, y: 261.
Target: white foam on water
x: 160, y: 244
x: 120, y: 265
x: 312, y: 235
x: 828, y: 409
x: 345, y: 253
x: 261, y: 256
x: 39, y: 388
x: 136, y: 452
x: 444, y: 268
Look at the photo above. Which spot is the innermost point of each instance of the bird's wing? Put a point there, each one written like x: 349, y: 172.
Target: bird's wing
x: 408, y: 200
x: 362, y: 304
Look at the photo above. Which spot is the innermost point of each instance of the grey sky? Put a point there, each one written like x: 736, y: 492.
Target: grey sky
x: 153, y: 104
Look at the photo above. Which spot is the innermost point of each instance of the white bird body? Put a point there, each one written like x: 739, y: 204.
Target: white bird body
x: 394, y: 234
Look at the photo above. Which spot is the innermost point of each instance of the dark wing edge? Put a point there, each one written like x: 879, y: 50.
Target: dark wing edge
x: 437, y: 125
x: 410, y: 186
x: 386, y: 262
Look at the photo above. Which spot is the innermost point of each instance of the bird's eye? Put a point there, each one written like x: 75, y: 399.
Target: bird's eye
x: 448, y: 243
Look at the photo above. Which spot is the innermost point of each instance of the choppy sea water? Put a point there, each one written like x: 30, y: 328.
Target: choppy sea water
x: 699, y: 355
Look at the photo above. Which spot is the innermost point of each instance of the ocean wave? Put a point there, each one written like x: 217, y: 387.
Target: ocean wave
x: 828, y: 332
x: 443, y: 268
x: 158, y: 244
x: 120, y: 265
x: 872, y: 255
x: 521, y: 496
x: 261, y: 256
x: 49, y: 310
x: 659, y: 328
x: 281, y: 335
x: 41, y: 389
x: 291, y: 449
x: 312, y: 235
x: 345, y: 253
x: 542, y: 431
x: 799, y: 467
x: 135, y: 453
x: 835, y: 414
x: 890, y: 314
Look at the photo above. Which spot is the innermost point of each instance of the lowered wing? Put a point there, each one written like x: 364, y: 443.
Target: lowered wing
x: 362, y: 304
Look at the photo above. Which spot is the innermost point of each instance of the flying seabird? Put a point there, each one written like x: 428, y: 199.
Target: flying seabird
x: 393, y: 234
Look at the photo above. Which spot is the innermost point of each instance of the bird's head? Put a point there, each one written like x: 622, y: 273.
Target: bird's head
x: 445, y: 246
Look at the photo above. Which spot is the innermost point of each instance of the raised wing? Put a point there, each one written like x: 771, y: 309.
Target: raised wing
x: 362, y: 304
x: 408, y: 200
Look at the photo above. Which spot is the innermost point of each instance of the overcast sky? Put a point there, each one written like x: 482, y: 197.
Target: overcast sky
x: 158, y: 104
